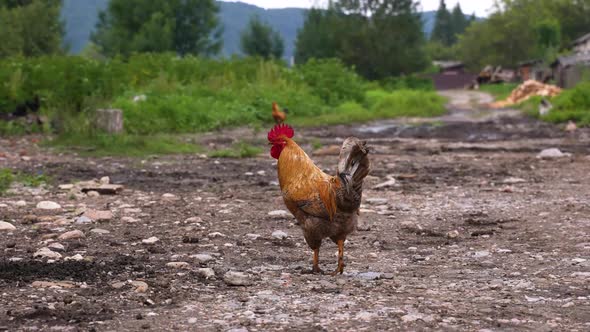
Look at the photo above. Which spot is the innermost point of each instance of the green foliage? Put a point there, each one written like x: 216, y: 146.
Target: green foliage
x: 438, y: 51
x: 259, y: 39
x: 332, y: 81
x: 183, y: 27
x: 6, y: 179
x: 123, y: 145
x: 572, y: 105
x: 513, y: 34
x: 239, y: 150
x: 30, y: 28
x: 361, y: 34
x: 443, y: 31
x: 381, y: 104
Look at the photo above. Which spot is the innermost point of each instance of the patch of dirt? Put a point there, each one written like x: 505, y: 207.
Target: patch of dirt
x: 474, y: 235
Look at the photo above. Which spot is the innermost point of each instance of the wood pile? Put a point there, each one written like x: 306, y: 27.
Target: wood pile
x: 527, y: 90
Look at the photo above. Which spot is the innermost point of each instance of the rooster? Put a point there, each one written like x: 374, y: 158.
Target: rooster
x: 277, y: 114
x: 325, y: 206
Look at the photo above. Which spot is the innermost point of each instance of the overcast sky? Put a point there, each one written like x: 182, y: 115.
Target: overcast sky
x: 480, y: 7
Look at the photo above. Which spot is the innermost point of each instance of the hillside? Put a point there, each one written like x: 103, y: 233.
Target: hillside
x: 80, y: 17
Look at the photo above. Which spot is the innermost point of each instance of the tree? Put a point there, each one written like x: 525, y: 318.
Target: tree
x: 317, y: 38
x: 379, y: 38
x: 443, y: 31
x: 512, y: 34
x: 181, y: 26
x: 30, y: 27
x: 259, y: 39
x: 458, y: 22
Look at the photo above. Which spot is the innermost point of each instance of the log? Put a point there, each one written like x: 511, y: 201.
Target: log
x: 103, y: 189
x: 109, y: 120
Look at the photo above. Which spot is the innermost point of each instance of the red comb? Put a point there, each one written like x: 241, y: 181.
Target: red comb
x: 280, y: 129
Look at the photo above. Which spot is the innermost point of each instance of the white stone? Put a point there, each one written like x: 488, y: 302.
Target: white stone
x: 20, y: 203
x: 76, y: 258
x: 72, y: 235
x: 151, y: 240
x: 237, y: 279
x: 280, y: 235
x: 56, y: 246
x: 99, y: 231
x: 253, y: 236
x: 279, y: 213
x: 552, y: 153
x: 377, y: 201
x: 46, y: 253
x: 203, y: 258
x: 206, y: 273
x: 168, y: 196
x: 105, y: 180
x: 48, y: 205
x: 6, y: 227
x: 66, y: 186
x: 179, y: 265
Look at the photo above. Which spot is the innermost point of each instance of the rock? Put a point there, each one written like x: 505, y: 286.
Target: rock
x: 369, y: 275
x: 83, y: 220
x: 140, y: 286
x: 105, y: 180
x: 20, y: 203
x: 253, y: 237
x: 93, y: 193
x: 46, y: 253
x: 76, y: 258
x: 49, y: 284
x: 118, y: 284
x: 206, y: 273
x: 56, y: 246
x: 262, y: 173
x: 97, y: 215
x: 387, y: 184
x: 513, y: 180
x: 129, y: 220
x: 66, y: 187
x: 412, y: 317
x: 48, y: 205
x: 280, y: 235
x: 363, y: 225
x: 99, y: 231
x: 103, y: 189
x: 203, y: 258
x: 151, y: 240
x: 169, y: 197
x: 552, y: 153
x: 237, y: 279
x: 571, y: 127
x: 279, y: 213
x: 377, y: 201
x: 72, y: 235
x: 481, y: 254
x: 366, y: 316
x: 179, y: 265
x: 216, y: 234
x: 6, y: 227
x: 453, y: 234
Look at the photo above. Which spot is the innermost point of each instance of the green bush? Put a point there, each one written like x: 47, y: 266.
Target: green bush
x: 6, y: 179
x: 570, y: 105
x: 332, y: 81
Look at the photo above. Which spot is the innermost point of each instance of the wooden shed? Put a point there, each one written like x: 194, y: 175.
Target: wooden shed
x: 568, y: 71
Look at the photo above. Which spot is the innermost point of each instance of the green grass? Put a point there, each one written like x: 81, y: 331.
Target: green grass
x: 238, y: 150
x: 499, y: 91
x: 570, y: 105
x: 8, y: 177
x: 124, y: 145
x: 381, y: 104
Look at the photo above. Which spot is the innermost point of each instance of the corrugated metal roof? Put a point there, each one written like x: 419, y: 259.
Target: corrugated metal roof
x: 575, y: 59
x: 582, y: 39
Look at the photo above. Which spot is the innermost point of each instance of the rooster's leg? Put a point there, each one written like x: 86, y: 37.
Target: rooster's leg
x: 316, y: 261
x: 340, y: 268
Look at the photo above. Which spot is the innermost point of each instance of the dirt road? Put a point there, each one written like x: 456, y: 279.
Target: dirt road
x: 474, y: 234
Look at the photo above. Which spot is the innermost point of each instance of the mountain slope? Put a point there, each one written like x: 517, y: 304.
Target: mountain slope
x: 81, y: 16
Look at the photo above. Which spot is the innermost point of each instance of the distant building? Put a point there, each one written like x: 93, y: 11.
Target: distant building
x: 570, y: 70
x: 533, y: 70
x: 582, y: 44
x: 451, y: 75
